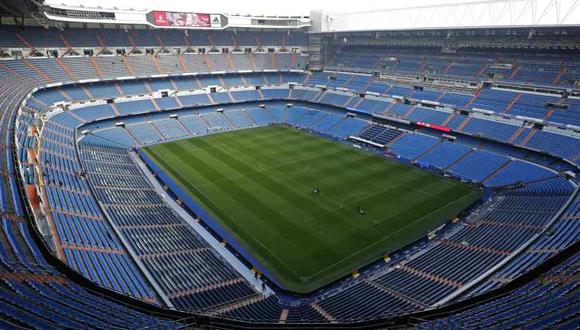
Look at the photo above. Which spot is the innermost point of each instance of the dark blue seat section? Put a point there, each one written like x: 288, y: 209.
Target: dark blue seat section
x: 164, y: 242
x: 551, y: 301
x: 35, y: 295
x: 78, y: 37
x: 541, y: 67
x: 159, y: 127
x: 415, y: 283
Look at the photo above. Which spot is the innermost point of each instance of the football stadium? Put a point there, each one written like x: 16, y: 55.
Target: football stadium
x: 407, y: 168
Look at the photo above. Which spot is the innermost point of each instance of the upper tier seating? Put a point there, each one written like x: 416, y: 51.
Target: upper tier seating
x: 541, y: 68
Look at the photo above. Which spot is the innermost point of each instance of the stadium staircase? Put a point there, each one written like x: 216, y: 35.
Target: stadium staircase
x: 160, y: 41
x: 496, y: 172
x: 204, y: 120
x: 65, y: 68
x: 250, y: 118
x: 173, y: 84
x: 307, y: 78
x: 182, y: 63
x: 131, y: 42
x: 283, y: 316
x: 549, y: 113
x: 77, y: 117
x: 128, y: 65
x: 252, y: 58
x: 244, y: 81
x: 38, y: 71
x: 448, y: 67
x: 64, y: 94
x: 473, y: 98
x: 230, y: 122
x: 100, y: 41
x: 442, y: 95
x: 222, y: 82
x: 347, y: 104
x: 274, y: 61
x: 155, y: 104
x: 323, y: 313
x: 183, y: 127
x: 88, y: 92
x: 115, y: 109
x: 463, y: 123
x: 11, y: 71
x: 119, y: 90
x: 294, y: 60
x: 427, y: 151
x: 562, y: 71
x: 346, y: 82
x: 135, y: 139
x: 96, y: 67
x: 239, y: 304
x: 24, y: 41
x: 270, y: 115
x: 516, y: 134
x: 515, y: 72
x: 156, y: 64
x: 431, y: 277
x: 198, y: 83
x: 178, y: 100
x: 482, y: 70
x: 530, y: 135
x: 358, y: 102
x: 409, y: 112
x: 507, y: 225
x: 231, y: 64
x: 388, y: 108
x: 207, y: 62
x: 423, y: 65
x: 397, y: 62
x: 392, y: 292
x: 210, y: 287
x: 513, y: 101
x: 148, y: 86
x: 211, y: 99
x: 234, y: 40
x: 352, y: 99
x: 318, y: 96
x: 65, y: 42
x: 474, y: 248
x: 458, y: 160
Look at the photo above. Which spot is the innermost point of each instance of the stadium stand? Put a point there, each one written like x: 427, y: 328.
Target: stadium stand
x: 90, y: 238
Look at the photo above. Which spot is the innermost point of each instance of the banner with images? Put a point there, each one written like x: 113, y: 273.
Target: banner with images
x: 168, y: 18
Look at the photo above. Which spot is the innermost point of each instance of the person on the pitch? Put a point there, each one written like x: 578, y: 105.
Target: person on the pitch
x: 360, y: 210
x: 316, y: 190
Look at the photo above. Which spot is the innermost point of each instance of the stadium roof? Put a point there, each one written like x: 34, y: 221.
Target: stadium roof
x: 477, y: 14
x: 16, y: 8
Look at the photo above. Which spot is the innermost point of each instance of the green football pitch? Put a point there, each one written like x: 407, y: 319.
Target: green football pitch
x: 260, y: 184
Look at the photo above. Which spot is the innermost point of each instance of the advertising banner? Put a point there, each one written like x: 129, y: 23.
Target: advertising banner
x: 168, y: 18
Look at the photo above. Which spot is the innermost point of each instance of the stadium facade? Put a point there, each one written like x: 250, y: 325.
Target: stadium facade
x: 98, y: 232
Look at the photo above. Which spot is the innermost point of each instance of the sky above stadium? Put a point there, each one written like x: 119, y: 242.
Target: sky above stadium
x: 257, y: 7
